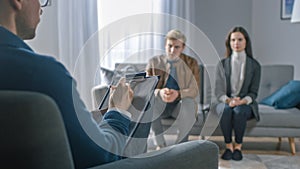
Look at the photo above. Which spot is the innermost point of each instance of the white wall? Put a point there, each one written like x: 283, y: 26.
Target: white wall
x: 213, y: 17
x: 216, y: 17
x: 46, y: 40
x: 275, y: 41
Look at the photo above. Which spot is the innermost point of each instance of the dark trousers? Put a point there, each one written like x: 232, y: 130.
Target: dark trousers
x: 183, y: 111
x: 235, y: 119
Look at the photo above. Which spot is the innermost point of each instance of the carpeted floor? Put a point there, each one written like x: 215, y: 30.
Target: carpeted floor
x: 259, y: 153
x: 255, y: 161
x: 262, y: 153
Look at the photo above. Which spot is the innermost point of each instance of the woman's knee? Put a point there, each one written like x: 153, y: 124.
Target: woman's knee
x: 241, y: 110
x: 223, y: 108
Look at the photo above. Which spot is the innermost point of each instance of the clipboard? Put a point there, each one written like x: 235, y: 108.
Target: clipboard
x: 143, y: 88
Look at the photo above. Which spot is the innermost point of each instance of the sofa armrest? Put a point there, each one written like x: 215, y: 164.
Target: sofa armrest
x: 192, y: 155
x: 98, y: 93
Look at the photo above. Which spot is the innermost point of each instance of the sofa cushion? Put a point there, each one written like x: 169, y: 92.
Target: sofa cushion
x: 271, y: 117
x: 274, y: 77
x: 287, y: 96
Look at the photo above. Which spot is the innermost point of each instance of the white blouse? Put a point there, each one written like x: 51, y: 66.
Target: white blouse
x: 238, y: 60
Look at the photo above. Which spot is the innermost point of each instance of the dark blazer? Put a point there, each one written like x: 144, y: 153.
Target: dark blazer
x: 23, y: 69
x: 251, y: 81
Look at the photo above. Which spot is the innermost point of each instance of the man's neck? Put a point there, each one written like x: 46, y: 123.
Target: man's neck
x: 173, y: 59
x: 9, y: 28
x: 7, y: 21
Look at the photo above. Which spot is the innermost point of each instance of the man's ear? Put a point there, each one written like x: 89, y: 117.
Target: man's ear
x: 16, y: 4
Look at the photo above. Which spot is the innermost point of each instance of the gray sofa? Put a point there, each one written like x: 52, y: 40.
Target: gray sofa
x: 273, y: 122
x: 33, y: 136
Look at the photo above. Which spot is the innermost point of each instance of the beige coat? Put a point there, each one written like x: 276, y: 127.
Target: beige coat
x: 187, y: 70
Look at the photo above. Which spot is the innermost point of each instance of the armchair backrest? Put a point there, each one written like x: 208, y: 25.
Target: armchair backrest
x: 32, y: 132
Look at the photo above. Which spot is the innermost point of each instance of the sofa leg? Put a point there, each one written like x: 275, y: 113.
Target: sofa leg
x: 202, y: 137
x: 292, y: 145
x: 279, y: 143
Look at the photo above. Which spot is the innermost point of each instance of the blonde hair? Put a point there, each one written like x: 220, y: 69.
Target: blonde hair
x: 175, y: 34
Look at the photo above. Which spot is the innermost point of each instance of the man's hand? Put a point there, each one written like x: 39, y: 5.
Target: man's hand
x: 168, y: 95
x: 120, y: 96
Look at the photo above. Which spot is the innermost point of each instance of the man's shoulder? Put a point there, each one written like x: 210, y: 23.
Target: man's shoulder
x: 43, y: 61
x: 188, y: 59
x: 157, y: 59
x: 40, y: 63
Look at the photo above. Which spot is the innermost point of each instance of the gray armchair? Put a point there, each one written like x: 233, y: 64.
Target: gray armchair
x: 33, y: 136
x: 192, y: 155
x: 32, y: 132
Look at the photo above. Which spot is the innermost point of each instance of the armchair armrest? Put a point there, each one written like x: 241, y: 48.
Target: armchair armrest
x: 192, y: 155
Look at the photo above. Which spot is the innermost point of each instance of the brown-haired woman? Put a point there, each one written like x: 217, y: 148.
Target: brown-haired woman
x: 237, y: 83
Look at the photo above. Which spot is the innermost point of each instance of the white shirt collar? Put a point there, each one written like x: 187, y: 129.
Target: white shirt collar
x: 239, y: 56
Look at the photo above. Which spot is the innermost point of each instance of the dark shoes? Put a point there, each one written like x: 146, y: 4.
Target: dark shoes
x: 227, y: 155
x: 235, y: 155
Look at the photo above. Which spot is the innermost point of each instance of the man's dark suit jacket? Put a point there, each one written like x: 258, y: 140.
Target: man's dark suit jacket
x: 23, y: 69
